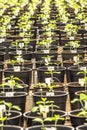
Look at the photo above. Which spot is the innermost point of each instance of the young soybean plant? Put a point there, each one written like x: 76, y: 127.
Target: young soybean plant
x: 43, y: 108
x: 12, y: 82
x: 5, y: 112
x: 84, y: 72
x: 83, y: 102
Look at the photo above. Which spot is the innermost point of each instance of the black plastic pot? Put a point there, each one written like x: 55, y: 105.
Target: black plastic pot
x: 30, y: 116
x: 72, y: 88
x: 24, y: 74
x: 12, y: 127
x: 58, y: 73
x: 59, y: 98
x: 14, y: 118
x: 51, y: 63
x: 77, y: 93
x: 72, y: 73
x: 25, y: 55
x: 81, y: 127
x: 6, y: 44
x: 68, y: 63
x: 25, y: 63
x: 40, y: 54
x: 75, y: 119
x: 59, y: 127
x: 2, y: 48
x: 2, y: 56
x: 67, y: 54
x: 1, y: 76
x: 19, y: 99
x: 81, y: 47
x: 2, y: 65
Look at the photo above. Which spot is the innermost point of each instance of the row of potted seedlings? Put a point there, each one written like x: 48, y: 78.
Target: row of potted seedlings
x: 51, y: 72
x: 40, y: 97
x: 44, y: 100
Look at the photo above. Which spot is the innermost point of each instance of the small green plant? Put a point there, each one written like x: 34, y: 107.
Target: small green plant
x: 77, y: 60
x: 12, y: 82
x: 84, y: 73
x: 15, y: 43
x: 71, y: 29
x: 51, y: 71
x: 83, y: 102
x: 5, y: 112
x: 48, y: 61
x: 42, y: 86
x: 73, y: 45
x: 43, y: 107
x: 18, y: 61
x: 45, y: 43
x: 12, y: 62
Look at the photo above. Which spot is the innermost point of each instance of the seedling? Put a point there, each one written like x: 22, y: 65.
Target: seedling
x: 12, y: 82
x: 18, y: 62
x: 83, y: 102
x: 52, y: 72
x: 71, y: 29
x: 48, y: 61
x: 73, y: 45
x: 43, y: 108
x: 16, y: 43
x: 84, y: 73
x: 5, y: 112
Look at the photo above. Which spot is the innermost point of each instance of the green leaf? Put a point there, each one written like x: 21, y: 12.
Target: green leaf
x: 48, y: 119
x: 16, y: 107
x: 2, y: 102
x: 38, y: 120
x: 19, y: 86
x: 83, y: 96
x: 85, y: 79
x: 8, y: 104
x: 3, y: 118
x: 34, y: 109
x: 39, y: 102
x: 82, y: 113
